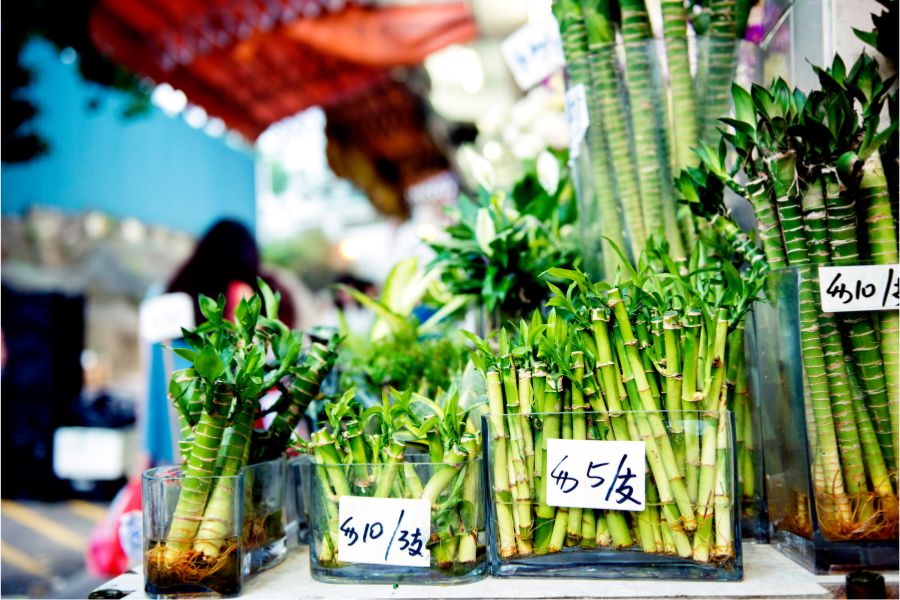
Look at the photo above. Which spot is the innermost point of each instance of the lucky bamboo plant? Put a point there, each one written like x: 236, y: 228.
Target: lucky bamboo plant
x: 811, y: 167
x: 233, y: 363
x: 603, y: 365
x: 501, y: 242
x: 369, y: 452
x: 640, y: 128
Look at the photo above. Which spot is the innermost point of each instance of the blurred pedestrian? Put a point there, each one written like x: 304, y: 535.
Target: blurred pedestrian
x: 226, y: 261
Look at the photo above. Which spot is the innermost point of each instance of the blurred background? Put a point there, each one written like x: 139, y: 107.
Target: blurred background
x: 331, y: 129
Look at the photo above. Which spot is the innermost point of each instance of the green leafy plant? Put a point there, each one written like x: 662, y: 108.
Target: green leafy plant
x: 363, y: 452
x: 501, y: 243
x: 813, y: 172
x: 655, y: 340
x: 233, y: 363
x: 399, y: 351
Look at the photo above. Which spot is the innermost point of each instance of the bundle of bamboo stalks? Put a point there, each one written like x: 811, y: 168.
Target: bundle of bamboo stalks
x: 812, y: 167
x: 648, y: 361
x: 647, y: 111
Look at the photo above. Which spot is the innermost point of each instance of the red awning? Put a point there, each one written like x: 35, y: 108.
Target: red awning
x: 254, y: 62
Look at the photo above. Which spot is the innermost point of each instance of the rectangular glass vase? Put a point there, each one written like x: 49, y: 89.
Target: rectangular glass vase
x: 193, y: 546
x: 830, y: 435
x: 656, y: 543
x: 297, y: 500
x: 265, y: 515
x: 457, y: 538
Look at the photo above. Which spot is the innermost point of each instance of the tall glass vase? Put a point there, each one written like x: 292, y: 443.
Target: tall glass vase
x: 186, y: 555
x: 831, y: 487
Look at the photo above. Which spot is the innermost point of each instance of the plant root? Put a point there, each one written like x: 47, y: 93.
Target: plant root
x: 191, y: 567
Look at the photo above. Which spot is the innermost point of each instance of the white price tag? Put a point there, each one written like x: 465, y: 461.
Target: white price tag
x: 596, y: 474
x: 534, y: 52
x: 865, y: 287
x: 384, y: 531
x: 577, y: 117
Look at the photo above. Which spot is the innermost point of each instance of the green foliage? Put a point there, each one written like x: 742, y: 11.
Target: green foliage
x: 398, y: 350
x: 244, y: 358
x: 500, y: 244
x: 406, y: 361
x: 711, y: 284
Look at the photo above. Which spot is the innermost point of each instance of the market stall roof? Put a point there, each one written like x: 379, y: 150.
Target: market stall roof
x: 254, y: 62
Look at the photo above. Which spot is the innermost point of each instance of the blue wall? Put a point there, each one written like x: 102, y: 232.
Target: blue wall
x: 152, y: 167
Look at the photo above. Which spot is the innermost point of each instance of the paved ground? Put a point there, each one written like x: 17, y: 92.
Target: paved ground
x: 42, y: 548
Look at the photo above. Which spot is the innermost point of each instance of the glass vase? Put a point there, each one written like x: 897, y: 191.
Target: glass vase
x: 190, y: 552
x: 744, y: 402
x: 298, y: 484
x: 264, y: 537
x: 658, y: 542
x: 456, y: 543
x: 831, y: 491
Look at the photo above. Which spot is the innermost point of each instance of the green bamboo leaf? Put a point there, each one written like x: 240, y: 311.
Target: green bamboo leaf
x: 404, y: 287
x: 210, y: 309
x: 743, y: 106
x: 271, y: 299
x: 868, y: 37
x: 485, y: 232
x: 392, y: 321
x: 569, y: 275
x: 479, y: 343
x: 623, y: 258
x: 185, y: 353
x: 208, y: 364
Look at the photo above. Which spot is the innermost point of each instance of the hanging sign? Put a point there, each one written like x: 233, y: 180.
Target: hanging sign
x: 577, y: 118
x: 596, y: 474
x: 534, y: 52
x: 859, y: 288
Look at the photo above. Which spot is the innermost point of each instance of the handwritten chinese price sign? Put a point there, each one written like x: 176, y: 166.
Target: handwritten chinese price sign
x: 868, y: 287
x: 577, y: 118
x: 596, y: 474
x: 384, y: 531
x: 534, y: 52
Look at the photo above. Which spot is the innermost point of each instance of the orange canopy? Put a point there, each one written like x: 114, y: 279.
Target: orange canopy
x: 254, y: 62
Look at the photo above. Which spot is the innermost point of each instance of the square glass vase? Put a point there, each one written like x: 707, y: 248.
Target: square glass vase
x: 744, y: 402
x: 192, y: 541
x: 265, y: 515
x: 299, y: 473
x: 457, y: 542
x: 831, y: 486
x: 697, y: 537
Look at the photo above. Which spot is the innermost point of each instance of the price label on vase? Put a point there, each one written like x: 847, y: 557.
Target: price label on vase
x: 860, y: 288
x: 534, y: 52
x: 596, y: 474
x: 577, y: 117
x: 384, y: 531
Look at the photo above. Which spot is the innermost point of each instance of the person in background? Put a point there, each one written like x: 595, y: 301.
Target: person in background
x: 226, y: 261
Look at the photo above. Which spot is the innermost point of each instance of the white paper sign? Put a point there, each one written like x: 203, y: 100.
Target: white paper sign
x: 162, y: 317
x: 596, y: 474
x: 577, y: 118
x: 867, y: 287
x: 534, y: 52
x: 384, y: 531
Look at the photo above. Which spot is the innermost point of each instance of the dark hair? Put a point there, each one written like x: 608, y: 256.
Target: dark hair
x: 227, y: 253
